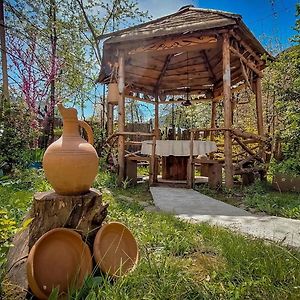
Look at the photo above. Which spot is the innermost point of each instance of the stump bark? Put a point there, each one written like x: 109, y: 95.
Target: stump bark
x: 84, y: 213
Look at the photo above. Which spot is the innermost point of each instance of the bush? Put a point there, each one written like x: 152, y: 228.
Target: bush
x: 18, y: 133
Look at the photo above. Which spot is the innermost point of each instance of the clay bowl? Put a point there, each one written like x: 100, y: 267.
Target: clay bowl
x: 115, y: 249
x: 58, y: 259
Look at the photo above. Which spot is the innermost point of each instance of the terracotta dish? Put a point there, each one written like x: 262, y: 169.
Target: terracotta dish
x: 58, y: 259
x: 115, y: 249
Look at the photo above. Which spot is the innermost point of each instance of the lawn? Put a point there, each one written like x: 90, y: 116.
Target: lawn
x: 178, y: 260
x: 259, y: 198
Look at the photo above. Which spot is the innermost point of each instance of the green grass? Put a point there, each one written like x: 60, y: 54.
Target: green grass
x: 180, y: 260
x: 259, y: 197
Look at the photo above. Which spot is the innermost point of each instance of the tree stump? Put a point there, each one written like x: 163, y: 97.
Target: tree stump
x: 84, y: 213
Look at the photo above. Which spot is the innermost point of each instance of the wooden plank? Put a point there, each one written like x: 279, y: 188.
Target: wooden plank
x: 227, y: 111
x: 195, y: 68
x: 152, y: 173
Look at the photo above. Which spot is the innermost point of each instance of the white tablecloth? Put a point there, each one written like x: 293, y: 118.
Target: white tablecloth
x: 178, y: 148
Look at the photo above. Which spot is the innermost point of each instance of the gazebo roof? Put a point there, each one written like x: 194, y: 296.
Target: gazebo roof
x: 180, y: 50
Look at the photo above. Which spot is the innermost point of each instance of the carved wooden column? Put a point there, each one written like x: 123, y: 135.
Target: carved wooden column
x: 227, y: 112
x: 121, y: 119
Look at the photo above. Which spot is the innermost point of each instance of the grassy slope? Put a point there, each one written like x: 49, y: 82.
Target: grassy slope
x: 185, y: 261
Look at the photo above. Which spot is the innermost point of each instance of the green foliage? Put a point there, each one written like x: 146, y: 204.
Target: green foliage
x: 261, y: 197
x: 283, y: 83
x: 7, y: 229
x: 17, y: 135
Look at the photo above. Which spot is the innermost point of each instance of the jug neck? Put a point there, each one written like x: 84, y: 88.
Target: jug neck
x: 70, y: 128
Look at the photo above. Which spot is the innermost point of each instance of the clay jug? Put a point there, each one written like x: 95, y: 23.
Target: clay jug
x: 71, y: 163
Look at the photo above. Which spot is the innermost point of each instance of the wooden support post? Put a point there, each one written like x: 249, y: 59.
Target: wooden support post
x: 259, y: 114
x: 259, y: 108
x: 213, y: 119
x: 110, y: 119
x: 227, y: 112
x: 156, y: 118
x: 153, y: 173
x: 121, y: 120
x: 190, y: 166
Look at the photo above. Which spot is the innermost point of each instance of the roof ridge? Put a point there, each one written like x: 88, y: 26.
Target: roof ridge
x: 180, y: 11
x: 221, y: 12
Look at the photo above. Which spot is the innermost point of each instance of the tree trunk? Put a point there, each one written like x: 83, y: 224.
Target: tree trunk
x: 5, y: 92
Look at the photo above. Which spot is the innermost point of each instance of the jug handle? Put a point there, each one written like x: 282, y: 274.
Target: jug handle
x: 88, y: 130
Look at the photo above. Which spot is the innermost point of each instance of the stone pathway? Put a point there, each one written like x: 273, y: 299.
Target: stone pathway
x: 191, y: 205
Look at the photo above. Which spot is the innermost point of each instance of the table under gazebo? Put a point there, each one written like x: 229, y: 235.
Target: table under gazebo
x: 194, y: 55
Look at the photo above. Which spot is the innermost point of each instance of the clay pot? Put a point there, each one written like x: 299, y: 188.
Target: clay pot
x: 115, y: 249
x: 113, y: 94
x: 58, y: 259
x: 71, y: 163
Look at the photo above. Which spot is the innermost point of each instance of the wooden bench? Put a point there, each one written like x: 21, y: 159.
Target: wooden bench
x: 212, y: 169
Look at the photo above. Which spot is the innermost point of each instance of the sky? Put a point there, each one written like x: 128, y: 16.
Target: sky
x: 271, y: 21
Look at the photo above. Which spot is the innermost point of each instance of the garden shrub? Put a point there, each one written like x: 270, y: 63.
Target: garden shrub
x: 18, y: 133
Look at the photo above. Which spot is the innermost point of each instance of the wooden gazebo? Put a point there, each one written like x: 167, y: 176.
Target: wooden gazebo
x: 207, y: 53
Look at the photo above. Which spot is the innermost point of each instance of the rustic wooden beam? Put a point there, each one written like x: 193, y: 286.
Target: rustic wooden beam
x: 123, y: 133
x: 250, y: 64
x: 175, y: 45
x: 227, y: 111
x: 248, y: 150
x: 194, y: 101
x: 247, y: 47
x: 156, y: 118
x: 163, y: 72
x: 248, y: 135
x: 121, y: 120
x: 139, y: 99
x: 207, y: 62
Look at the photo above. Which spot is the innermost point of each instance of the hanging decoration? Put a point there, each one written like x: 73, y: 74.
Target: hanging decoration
x: 113, y: 94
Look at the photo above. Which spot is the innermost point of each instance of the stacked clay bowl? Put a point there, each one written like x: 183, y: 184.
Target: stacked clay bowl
x: 115, y: 249
x: 59, y: 259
